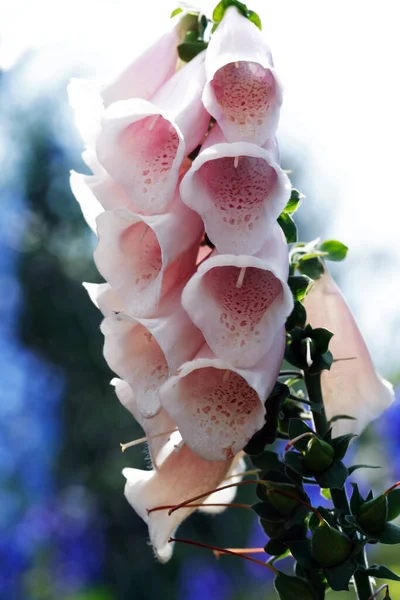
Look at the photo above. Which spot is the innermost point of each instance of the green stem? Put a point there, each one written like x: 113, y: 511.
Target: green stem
x: 362, y: 581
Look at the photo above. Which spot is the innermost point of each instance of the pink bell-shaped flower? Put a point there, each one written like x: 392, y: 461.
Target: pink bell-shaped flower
x: 242, y: 91
x: 352, y: 386
x: 240, y: 302
x: 217, y: 407
x: 182, y: 474
x: 239, y: 191
x: 144, y: 257
x: 142, y: 144
x: 144, y: 351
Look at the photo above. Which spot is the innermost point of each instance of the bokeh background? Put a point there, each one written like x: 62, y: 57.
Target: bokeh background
x: 66, y: 531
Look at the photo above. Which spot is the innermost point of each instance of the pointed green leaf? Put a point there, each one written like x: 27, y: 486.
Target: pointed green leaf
x: 382, y: 572
x: 356, y: 500
x: 301, y: 551
x: 254, y: 18
x: 295, y: 461
x: 393, y: 504
x: 334, y: 250
x: 288, y: 227
x: 175, y: 12
x: 334, y: 477
x: 390, y: 534
x: 339, y: 576
x: 267, y: 461
x: 341, y: 444
x: 355, y: 467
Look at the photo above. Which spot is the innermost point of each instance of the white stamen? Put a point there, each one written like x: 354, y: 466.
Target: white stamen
x: 154, y: 121
x: 226, y: 376
x: 236, y: 162
x: 145, y: 230
x: 145, y: 439
x: 236, y: 64
x: 309, y: 360
x: 240, y: 279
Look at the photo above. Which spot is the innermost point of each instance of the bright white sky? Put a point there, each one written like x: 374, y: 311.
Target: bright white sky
x: 339, y: 62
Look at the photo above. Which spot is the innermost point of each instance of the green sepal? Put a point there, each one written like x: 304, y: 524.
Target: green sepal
x: 297, y: 317
x: 334, y: 250
x: 288, y: 227
x: 267, y: 461
x: 275, y: 547
x: 254, y: 18
x: 321, y: 337
x: 290, y: 409
x: 189, y: 50
x: 390, y: 534
x: 326, y: 514
x: 339, y: 576
x: 301, y: 552
x: 295, y: 461
x: 299, y: 285
x: 356, y: 500
x: 278, y: 544
x: 284, y: 505
x: 334, y: 477
x: 312, y: 266
x: 220, y: 9
x: 393, y: 504
x: 341, y: 444
x: 290, y: 587
x: 268, y: 513
x: 277, y: 476
x: 382, y: 572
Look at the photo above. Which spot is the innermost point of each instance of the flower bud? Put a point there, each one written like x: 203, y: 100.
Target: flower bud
x: 283, y: 504
x: 319, y: 455
x: 373, y: 514
x: 329, y: 546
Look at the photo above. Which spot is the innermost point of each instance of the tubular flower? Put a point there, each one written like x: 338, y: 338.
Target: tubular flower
x: 352, y: 386
x: 218, y: 407
x: 142, y: 144
x: 198, y: 352
x: 242, y: 91
x: 239, y: 191
x: 240, y: 302
x: 143, y: 258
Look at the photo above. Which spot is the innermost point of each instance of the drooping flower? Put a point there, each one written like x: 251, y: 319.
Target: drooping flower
x: 218, y: 407
x: 178, y: 474
x: 239, y: 191
x: 352, y: 386
x: 240, y: 302
x: 182, y: 474
x: 145, y: 257
x: 242, y: 91
x: 142, y: 144
x: 143, y: 351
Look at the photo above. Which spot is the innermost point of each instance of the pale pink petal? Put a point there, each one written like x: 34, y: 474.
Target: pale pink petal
x: 218, y: 408
x: 227, y: 496
x: 142, y: 145
x: 160, y: 446
x: 351, y: 387
x: 144, y: 351
x: 86, y: 101
x: 239, y: 191
x: 181, y: 475
x: 238, y: 318
x: 143, y: 258
x: 148, y: 72
x: 103, y: 296
x: 242, y: 91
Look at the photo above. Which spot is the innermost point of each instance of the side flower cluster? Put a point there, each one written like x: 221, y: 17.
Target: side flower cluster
x: 196, y: 336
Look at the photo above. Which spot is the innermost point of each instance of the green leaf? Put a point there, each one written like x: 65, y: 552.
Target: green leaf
x: 356, y: 500
x: 267, y: 461
x: 340, y: 417
x: 393, y: 504
x: 295, y: 461
x: 290, y: 587
x: 299, y: 285
x: 254, y: 18
x: 288, y: 227
x: 267, y: 512
x: 341, y: 444
x: 321, y: 337
x: 334, y: 477
x: 339, y: 576
x: 334, y: 250
x: 382, y: 572
x: 175, y: 12
x: 219, y: 11
x: 321, y: 362
x: 297, y: 317
x: 189, y: 50
x: 301, y: 552
x: 355, y: 467
x: 294, y: 202
x: 390, y: 534
x: 312, y: 267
